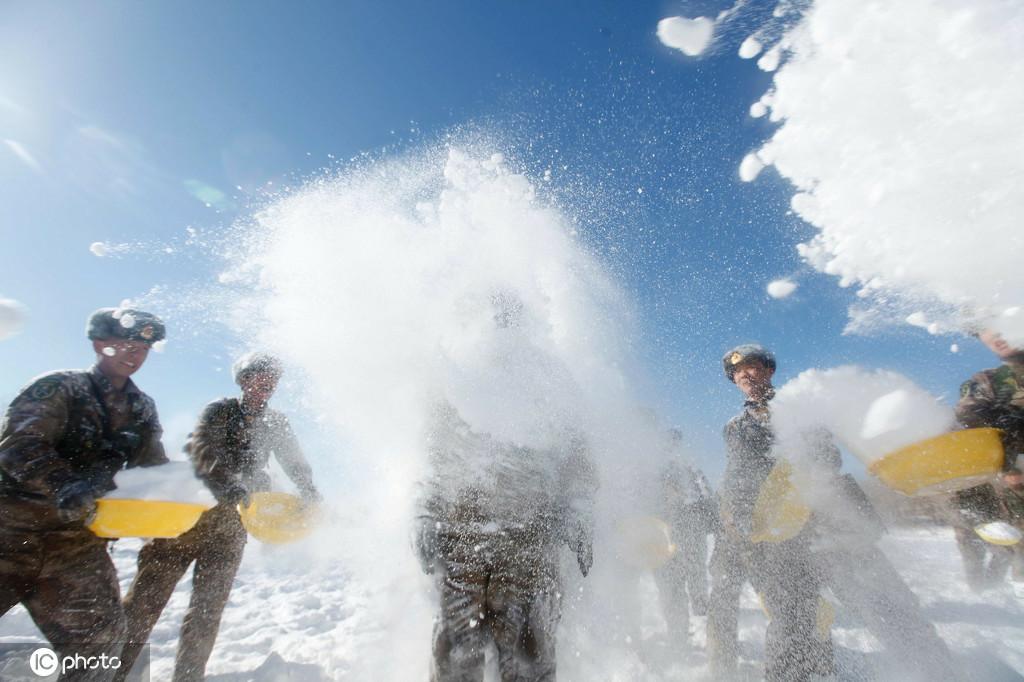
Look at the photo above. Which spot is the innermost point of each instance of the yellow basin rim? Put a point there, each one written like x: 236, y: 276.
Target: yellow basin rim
x: 646, y: 541
x: 122, y: 518
x: 278, y: 518
x: 949, y: 462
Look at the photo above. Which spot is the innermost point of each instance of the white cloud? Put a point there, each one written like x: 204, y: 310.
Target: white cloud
x: 24, y: 154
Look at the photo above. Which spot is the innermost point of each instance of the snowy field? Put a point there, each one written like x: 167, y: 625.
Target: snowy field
x: 292, y: 617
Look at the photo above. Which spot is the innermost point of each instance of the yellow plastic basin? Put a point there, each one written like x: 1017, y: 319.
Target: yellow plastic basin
x: 999, y: 533
x: 277, y: 518
x: 645, y: 541
x: 952, y: 461
x: 117, y: 518
x: 779, y: 512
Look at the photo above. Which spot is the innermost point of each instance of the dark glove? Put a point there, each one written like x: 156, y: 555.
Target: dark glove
x: 235, y: 493
x: 581, y: 542
x: 310, y: 496
x: 76, y: 501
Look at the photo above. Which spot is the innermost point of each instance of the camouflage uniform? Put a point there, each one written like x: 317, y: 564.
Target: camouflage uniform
x: 66, y: 428
x: 492, y: 518
x: 991, y: 398
x: 689, y: 510
x: 229, y: 450
x: 781, y: 572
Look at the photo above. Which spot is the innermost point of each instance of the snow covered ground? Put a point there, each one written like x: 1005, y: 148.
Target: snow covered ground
x: 294, y: 617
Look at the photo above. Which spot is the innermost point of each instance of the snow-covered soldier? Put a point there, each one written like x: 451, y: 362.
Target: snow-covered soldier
x: 63, y: 438
x: 491, y: 537
x: 781, y: 572
x: 230, y: 449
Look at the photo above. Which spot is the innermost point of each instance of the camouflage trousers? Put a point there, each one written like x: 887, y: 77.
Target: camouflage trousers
x: 985, y: 565
x: 68, y: 584
x: 495, y: 587
x: 683, y: 585
x: 782, y: 574
x: 215, y: 544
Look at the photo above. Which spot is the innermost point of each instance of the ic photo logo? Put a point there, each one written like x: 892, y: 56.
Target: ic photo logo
x: 44, y: 662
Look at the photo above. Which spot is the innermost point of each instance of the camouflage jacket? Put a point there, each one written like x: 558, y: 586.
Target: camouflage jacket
x: 748, y: 443
x: 995, y: 398
x: 68, y: 426
x: 230, y: 447
x: 1013, y: 505
x: 475, y: 480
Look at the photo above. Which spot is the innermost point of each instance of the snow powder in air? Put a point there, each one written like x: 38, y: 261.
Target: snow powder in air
x: 442, y: 280
x: 690, y: 36
x: 781, y: 288
x: 870, y: 412
x: 171, y: 482
x: 750, y: 48
x: 750, y: 167
x: 911, y: 173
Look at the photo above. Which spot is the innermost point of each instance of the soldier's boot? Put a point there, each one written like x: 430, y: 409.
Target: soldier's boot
x: 161, y: 563
x: 76, y: 601
x: 217, y: 563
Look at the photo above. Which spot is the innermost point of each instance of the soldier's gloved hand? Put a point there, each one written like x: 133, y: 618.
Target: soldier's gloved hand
x: 235, y: 493
x: 76, y: 501
x: 260, y: 482
x: 581, y: 542
x: 311, y: 496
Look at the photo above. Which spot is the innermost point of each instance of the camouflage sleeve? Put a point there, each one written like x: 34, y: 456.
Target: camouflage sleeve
x: 152, y: 452
x: 34, y: 424
x: 207, y: 449
x: 978, y: 406
x: 289, y: 456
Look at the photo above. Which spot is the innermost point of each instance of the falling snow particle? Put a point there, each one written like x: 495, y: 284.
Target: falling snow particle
x: 781, y: 288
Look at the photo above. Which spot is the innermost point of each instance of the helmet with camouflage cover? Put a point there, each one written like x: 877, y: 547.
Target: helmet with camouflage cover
x: 256, y: 363
x: 125, y: 323
x: 744, y: 353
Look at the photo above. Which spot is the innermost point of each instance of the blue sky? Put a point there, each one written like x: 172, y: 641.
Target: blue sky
x: 115, y: 115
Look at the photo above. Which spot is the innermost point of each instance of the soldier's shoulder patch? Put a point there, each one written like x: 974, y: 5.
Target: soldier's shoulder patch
x: 44, y: 388
x: 967, y: 388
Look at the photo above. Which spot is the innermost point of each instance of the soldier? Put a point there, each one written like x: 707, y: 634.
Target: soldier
x: 492, y: 517
x: 991, y: 398
x: 63, y: 439
x: 689, y: 508
x: 844, y: 532
x: 781, y: 572
x: 229, y: 449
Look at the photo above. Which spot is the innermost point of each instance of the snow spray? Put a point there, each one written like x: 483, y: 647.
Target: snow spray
x: 392, y: 286
x: 910, y: 174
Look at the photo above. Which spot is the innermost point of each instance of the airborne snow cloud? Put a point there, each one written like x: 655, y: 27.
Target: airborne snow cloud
x: 911, y: 174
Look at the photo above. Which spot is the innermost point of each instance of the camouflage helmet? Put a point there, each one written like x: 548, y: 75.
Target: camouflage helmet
x: 125, y: 323
x: 256, y: 363
x: 744, y: 353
